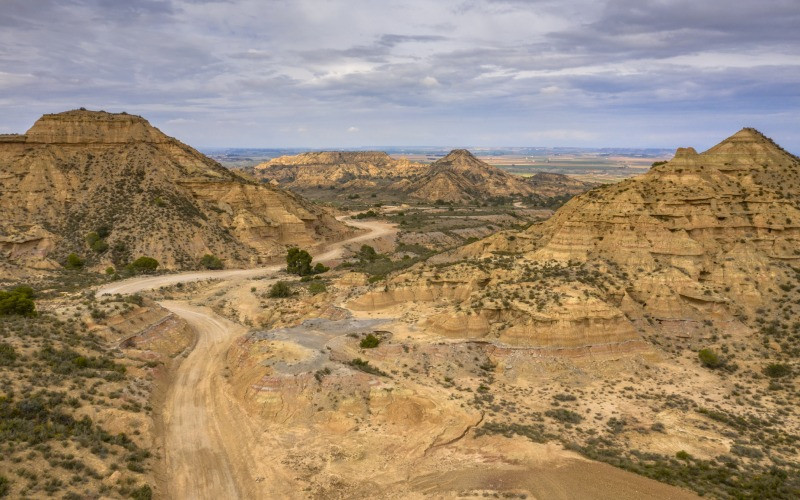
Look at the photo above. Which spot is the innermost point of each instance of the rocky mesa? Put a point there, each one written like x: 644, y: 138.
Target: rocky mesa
x: 84, y: 173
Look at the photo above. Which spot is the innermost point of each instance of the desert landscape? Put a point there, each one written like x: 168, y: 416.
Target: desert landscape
x: 399, y: 250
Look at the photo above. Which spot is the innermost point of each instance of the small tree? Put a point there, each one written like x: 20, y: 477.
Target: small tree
x: 143, y: 265
x: 298, y: 262
x: 280, y: 290
x: 211, y: 262
x: 73, y: 261
x: 367, y: 254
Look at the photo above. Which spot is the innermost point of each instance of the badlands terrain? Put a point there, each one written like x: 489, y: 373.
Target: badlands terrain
x: 640, y: 342
x: 458, y: 177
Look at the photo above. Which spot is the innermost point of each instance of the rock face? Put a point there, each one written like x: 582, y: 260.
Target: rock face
x: 458, y: 177
x: 144, y: 193
x: 706, y: 242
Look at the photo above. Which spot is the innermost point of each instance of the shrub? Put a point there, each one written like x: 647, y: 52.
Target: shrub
x: 7, y: 354
x: 367, y: 254
x: 143, y: 493
x: 17, y: 302
x: 709, y: 358
x: 364, y: 366
x: 317, y: 287
x: 211, y: 262
x: 563, y: 415
x: 777, y: 370
x: 5, y: 485
x: 73, y: 261
x: 99, y: 246
x: 298, y: 262
x: 143, y: 265
x: 370, y: 342
x: 110, y: 270
x: 320, y: 268
x: 280, y: 290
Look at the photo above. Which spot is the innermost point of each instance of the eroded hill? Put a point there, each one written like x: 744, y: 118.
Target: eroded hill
x: 143, y: 193
x: 459, y: 177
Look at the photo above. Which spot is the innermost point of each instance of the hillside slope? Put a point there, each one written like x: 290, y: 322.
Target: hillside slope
x: 145, y: 193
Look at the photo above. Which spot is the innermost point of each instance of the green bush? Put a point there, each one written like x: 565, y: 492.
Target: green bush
x: 370, y: 342
x: 317, y: 287
x: 367, y: 254
x: 320, y: 268
x: 92, y: 238
x: 110, y: 270
x: 298, y: 262
x: 17, y: 302
x: 99, y: 246
x: 777, y: 370
x: 143, y: 265
x: 211, y: 262
x: 74, y: 262
x: 280, y: 290
x: 709, y: 358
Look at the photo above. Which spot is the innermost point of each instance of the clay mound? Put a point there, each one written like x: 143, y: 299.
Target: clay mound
x: 460, y: 176
x: 145, y: 193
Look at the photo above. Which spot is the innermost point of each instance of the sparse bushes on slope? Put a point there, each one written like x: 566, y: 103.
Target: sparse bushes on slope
x: 777, y: 370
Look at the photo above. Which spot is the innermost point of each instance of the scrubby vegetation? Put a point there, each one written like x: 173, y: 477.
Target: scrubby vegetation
x: 51, y: 369
x: 17, y: 301
x: 211, y: 262
x: 280, y: 290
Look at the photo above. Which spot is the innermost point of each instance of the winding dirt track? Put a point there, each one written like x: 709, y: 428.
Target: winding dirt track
x: 210, y: 444
x: 375, y: 230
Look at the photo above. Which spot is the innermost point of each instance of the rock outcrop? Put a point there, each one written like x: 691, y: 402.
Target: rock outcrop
x: 143, y: 193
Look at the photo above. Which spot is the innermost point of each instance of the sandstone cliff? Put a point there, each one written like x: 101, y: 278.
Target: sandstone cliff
x: 145, y: 193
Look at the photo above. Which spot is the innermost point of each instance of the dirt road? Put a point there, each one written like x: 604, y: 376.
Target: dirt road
x: 375, y: 229
x: 210, y: 444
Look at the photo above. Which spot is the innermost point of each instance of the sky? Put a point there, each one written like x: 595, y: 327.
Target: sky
x: 333, y: 73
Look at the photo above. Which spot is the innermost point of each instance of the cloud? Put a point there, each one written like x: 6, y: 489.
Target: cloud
x: 352, y: 129
x: 455, y: 71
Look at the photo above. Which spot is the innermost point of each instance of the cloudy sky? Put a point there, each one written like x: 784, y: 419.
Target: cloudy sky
x: 336, y: 73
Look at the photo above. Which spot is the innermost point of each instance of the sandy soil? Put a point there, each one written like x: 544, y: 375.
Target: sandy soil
x: 214, y: 449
